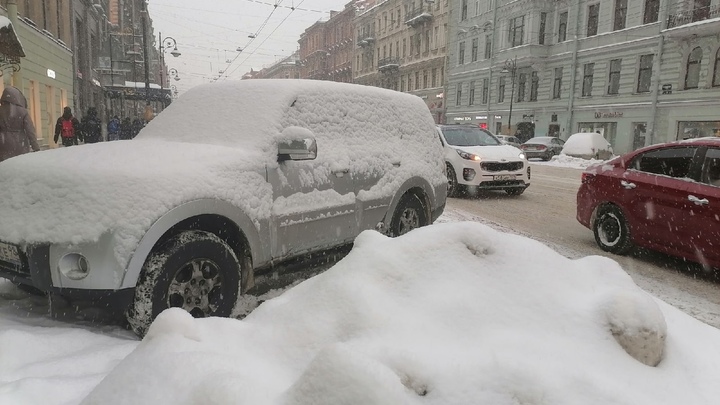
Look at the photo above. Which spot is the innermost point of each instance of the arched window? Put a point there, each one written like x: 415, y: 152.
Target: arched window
x: 716, y: 74
x: 692, y: 76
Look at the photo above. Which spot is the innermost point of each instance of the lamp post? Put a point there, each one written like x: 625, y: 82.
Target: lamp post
x: 165, y: 44
x: 511, y: 67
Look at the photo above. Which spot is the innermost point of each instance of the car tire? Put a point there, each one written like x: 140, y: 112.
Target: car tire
x: 514, y: 191
x: 194, y: 270
x: 612, y: 232
x: 453, y: 189
x: 409, y: 214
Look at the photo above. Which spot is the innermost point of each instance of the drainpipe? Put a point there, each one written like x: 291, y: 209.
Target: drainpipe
x: 573, y: 70
x: 662, y: 17
x: 492, y: 62
x: 13, y: 17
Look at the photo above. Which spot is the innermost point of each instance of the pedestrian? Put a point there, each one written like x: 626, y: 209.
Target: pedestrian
x: 126, y: 129
x: 137, y: 125
x: 67, y: 127
x: 17, y: 132
x: 92, y: 127
x: 113, y: 128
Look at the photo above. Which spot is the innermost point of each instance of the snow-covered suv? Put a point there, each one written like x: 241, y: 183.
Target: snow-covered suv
x: 475, y: 157
x: 229, y: 180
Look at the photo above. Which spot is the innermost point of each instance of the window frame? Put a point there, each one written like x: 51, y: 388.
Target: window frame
x: 501, y: 89
x: 620, y: 15
x: 651, y: 11
x: 588, y: 75
x: 471, y: 93
x: 543, y: 27
x: 593, y: 19
x: 486, y: 91
x: 516, y: 32
x: 557, y: 83
x: 461, y: 53
x: 613, y: 87
x: 643, y: 70
x: 534, y: 85
x: 562, y: 26
x: 474, y: 50
x: 522, y: 82
x: 693, y: 64
x: 716, y: 72
x: 458, y: 93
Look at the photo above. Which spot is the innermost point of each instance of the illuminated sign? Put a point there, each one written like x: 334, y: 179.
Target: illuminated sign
x: 51, y: 73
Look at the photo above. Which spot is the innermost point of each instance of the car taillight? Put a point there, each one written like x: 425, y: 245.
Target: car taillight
x: 541, y: 147
x: 586, y: 177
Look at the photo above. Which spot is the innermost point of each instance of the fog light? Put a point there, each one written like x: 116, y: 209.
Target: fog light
x: 468, y: 174
x: 74, y: 266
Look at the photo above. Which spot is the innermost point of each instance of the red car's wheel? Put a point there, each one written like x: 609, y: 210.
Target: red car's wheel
x: 611, y: 230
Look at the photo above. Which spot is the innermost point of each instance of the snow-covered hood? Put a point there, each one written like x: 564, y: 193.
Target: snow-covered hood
x: 507, y: 152
x: 78, y: 193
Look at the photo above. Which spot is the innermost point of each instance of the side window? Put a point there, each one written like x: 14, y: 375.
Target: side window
x: 711, y: 168
x: 672, y: 162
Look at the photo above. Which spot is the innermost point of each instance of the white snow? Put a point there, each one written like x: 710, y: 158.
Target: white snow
x: 562, y: 160
x: 585, y: 143
x: 447, y: 314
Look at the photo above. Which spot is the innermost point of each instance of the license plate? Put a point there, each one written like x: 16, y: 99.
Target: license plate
x: 504, y: 177
x: 9, y: 253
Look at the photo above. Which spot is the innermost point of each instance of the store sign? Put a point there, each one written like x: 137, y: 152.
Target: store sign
x: 614, y: 114
x: 462, y: 119
x: 667, y: 89
x: 51, y: 73
x: 481, y: 117
x: 497, y: 117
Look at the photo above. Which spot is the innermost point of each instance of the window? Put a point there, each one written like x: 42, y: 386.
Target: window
x: 652, y: 9
x: 543, y: 22
x: 485, y: 91
x: 620, y: 14
x: 711, y: 168
x: 588, y: 72
x: 427, y: 41
x: 716, y: 73
x: 534, y: 85
x: 417, y: 80
x: 418, y: 39
x: 557, y: 83
x: 488, y: 46
x: 517, y: 27
x: 471, y: 95
x: 461, y: 53
x: 425, y: 79
x: 463, y: 10
x: 645, y: 73
x: 433, y: 78
x: 404, y: 47
x: 458, y: 94
x: 562, y: 27
x: 592, y: 21
x: 614, y: 76
x: 474, y: 51
x: 501, y: 90
x: 673, y: 162
x: 692, y: 75
x: 410, y: 83
x: 522, y: 82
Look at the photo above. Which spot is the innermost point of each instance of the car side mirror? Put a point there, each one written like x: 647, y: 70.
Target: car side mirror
x: 296, y: 143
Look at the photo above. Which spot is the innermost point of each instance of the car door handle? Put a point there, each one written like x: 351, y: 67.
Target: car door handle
x: 698, y: 201
x: 628, y: 185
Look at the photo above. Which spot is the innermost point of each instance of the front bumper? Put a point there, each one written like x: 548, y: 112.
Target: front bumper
x: 495, y: 175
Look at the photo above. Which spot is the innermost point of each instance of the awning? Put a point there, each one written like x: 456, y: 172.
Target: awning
x: 10, y: 45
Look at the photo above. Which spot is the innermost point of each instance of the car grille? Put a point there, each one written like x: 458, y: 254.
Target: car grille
x: 501, y: 166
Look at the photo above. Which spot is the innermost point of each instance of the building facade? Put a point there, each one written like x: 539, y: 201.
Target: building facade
x: 637, y: 71
x: 286, y: 68
x: 401, y: 45
x: 326, y: 47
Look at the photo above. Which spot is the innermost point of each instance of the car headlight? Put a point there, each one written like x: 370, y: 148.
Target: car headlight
x: 521, y: 156
x: 74, y: 266
x: 468, y: 156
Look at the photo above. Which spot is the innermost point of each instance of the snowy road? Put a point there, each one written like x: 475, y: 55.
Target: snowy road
x: 546, y: 212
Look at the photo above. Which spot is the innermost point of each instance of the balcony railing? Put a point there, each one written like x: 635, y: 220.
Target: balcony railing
x: 417, y: 16
x: 691, y: 16
x: 388, y: 64
x: 366, y: 39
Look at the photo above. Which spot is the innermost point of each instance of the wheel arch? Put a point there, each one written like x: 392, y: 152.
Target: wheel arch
x: 605, y: 204
x: 217, y: 217
x: 416, y: 186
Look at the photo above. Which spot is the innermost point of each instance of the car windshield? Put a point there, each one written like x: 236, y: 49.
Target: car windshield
x: 468, y: 136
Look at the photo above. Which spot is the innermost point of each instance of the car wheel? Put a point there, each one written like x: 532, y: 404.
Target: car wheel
x: 409, y: 214
x: 194, y: 270
x: 549, y: 155
x: 453, y: 188
x: 515, y: 191
x: 611, y: 230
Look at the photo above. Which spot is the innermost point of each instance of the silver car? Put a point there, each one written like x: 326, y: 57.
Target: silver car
x: 227, y: 182
x: 543, y: 147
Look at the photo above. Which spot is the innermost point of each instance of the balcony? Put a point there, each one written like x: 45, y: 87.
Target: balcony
x: 417, y: 17
x: 366, y: 39
x: 700, y: 21
x: 387, y: 65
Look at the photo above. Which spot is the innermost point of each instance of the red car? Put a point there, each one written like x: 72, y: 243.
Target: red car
x: 663, y: 197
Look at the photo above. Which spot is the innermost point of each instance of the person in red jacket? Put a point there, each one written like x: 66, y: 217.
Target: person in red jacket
x: 67, y: 128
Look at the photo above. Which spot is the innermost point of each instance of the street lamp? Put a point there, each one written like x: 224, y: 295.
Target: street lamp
x: 165, y: 44
x: 511, y: 67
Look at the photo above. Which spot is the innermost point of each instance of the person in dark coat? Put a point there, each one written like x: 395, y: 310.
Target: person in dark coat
x: 113, y: 128
x: 17, y: 132
x: 137, y: 125
x: 67, y: 127
x: 125, y: 129
x: 92, y: 127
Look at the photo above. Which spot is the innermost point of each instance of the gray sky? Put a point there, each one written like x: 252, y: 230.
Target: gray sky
x: 208, y: 33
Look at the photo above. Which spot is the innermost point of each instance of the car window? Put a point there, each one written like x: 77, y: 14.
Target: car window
x: 711, y: 168
x: 468, y: 136
x: 672, y: 162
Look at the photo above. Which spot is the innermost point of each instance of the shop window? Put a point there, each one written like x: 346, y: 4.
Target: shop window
x: 697, y: 129
x: 692, y: 73
x: 639, y: 133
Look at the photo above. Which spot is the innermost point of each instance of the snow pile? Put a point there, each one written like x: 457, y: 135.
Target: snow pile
x: 563, y: 160
x: 445, y: 314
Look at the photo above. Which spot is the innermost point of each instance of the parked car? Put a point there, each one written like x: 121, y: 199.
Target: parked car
x: 543, y: 147
x: 216, y: 189
x: 509, y: 140
x: 664, y: 197
x: 475, y: 157
x: 588, y: 145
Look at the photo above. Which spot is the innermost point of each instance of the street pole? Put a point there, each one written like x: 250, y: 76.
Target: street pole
x: 511, y: 67
x: 148, y: 108
x: 162, y: 62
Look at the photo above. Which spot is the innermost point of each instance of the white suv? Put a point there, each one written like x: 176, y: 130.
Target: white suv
x: 475, y: 157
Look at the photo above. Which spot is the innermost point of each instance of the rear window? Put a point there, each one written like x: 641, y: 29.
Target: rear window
x: 672, y: 162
